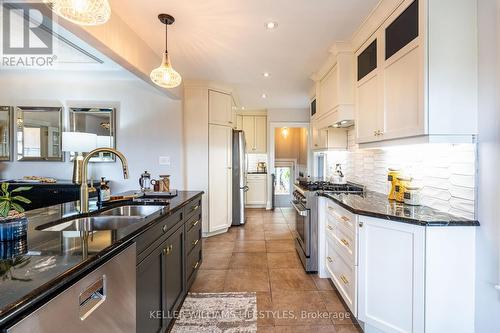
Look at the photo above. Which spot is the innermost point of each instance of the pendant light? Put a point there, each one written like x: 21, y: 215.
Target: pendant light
x: 82, y: 12
x: 165, y: 76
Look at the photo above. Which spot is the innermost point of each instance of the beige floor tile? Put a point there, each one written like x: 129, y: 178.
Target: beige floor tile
x: 241, y: 280
x: 348, y: 329
x: 300, y: 308
x: 340, y: 314
x: 250, y: 246
x: 264, y: 309
x: 322, y: 284
x: 225, y: 237
x: 278, y: 235
x: 265, y: 329
x: 209, y: 281
x: 214, y: 260
x: 283, y: 260
x: 248, y: 235
x: 280, y: 246
x: 275, y: 227
x: 305, y: 329
x: 291, y: 280
x: 218, y: 247
x: 248, y: 260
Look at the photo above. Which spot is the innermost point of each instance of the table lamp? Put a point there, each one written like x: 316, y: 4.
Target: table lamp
x: 78, y: 143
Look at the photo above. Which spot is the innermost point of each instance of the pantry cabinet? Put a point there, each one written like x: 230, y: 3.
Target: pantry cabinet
x: 416, y: 73
x: 255, y: 128
x: 220, y: 107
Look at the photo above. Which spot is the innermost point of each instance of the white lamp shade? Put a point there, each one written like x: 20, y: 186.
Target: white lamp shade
x: 104, y: 141
x: 79, y: 142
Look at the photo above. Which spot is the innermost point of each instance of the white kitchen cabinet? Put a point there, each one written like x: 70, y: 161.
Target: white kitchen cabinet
x: 391, y: 275
x: 319, y: 137
x: 220, y: 108
x: 255, y: 128
x: 256, y: 197
x: 328, y: 138
x: 220, y: 175
x: 423, y: 85
x: 239, y: 122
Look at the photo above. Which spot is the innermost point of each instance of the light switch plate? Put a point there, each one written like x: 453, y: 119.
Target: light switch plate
x: 164, y: 160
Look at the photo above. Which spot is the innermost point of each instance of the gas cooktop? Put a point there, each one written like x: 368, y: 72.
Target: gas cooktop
x: 321, y: 185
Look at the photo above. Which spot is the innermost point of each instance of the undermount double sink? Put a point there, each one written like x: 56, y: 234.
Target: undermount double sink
x: 112, y: 219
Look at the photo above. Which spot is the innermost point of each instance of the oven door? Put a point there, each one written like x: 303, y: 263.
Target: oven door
x: 302, y: 227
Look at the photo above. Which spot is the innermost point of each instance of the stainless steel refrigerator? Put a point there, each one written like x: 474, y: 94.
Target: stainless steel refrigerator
x: 239, y: 177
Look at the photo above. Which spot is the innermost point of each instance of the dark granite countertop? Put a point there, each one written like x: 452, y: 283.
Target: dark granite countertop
x: 256, y: 173
x: 53, y: 260
x: 376, y: 205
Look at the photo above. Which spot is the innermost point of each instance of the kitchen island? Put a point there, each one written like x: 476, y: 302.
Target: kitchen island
x: 41, y: 266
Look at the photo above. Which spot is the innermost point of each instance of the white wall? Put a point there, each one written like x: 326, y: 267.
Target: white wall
x: 488, y: 235
x: 149, y: 124
x: 288, y: 115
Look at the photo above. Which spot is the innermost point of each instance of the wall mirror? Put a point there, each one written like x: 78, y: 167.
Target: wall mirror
x: 38, y: 133
x: 100, y: 121
x: 5, y: 133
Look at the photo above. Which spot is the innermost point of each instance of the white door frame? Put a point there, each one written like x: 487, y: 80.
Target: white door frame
x: 288, y: 162
x: 271, y: 150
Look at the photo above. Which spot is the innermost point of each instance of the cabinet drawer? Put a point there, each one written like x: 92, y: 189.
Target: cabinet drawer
x: 193, y: 234
x: 193, y: 207
x: 343, y: 216
x: 254, y: 177
x: 193, y: 262
x: 345, y: 245
x: 194, y: 220
x: 331, y: 226
x: 161, y: 228
x: 344, y: 278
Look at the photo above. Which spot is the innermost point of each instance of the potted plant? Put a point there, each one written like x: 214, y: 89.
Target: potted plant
x: 13, y: 222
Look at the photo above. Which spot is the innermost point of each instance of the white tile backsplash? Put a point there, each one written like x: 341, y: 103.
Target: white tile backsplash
x: 253, y: 159
x: 447, y: 172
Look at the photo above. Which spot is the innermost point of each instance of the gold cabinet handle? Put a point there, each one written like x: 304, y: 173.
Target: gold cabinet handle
x: 344, y: 279
x: 329, y: 259
x: 194, y: 224
x: 195, y: 208
x: 330, y: 227
x: 195, y: 266
x: 195, y: 242
x: 168, y: 250
x: 345, y: 242
x: 164, y: 228
x: 345, y: 219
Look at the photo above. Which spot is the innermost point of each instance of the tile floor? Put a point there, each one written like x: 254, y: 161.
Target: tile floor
x: 260, y: 256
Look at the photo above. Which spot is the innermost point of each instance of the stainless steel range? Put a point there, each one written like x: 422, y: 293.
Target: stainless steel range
x: 305, y: 202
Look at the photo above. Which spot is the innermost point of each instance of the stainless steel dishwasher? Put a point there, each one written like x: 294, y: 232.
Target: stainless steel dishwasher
x: 101, y: 302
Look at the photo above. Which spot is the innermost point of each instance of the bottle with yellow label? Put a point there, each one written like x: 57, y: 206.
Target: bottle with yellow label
x: 392, y: 181
x: 403, y: 182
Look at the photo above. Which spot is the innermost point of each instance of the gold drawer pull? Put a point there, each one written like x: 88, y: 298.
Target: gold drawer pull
x: 344, y: 279
x: 345, y: 219
x: 330, y: 208
x: 346, y: 243
x: 195, y: 208
x: 194, y: 224
x: 329, y: 259
x: 330, y: 227
x: 196, y: 265
x: 168, y: 250
x: 195, y: 242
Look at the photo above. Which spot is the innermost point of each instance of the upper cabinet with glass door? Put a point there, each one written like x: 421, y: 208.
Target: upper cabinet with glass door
x: 38, y: 133
x: 5, y: 133
x: 99, y: 121
x: 416, y: 73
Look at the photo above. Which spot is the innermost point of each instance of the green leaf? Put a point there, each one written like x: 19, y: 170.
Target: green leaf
x: 4, y: 208
x: 5, y: 187
x: 22, y: 199
x: 21, y: 189
x: 17, y: 207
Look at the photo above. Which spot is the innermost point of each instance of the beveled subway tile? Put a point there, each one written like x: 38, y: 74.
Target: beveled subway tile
x: 280, y: 246
x: 215, y: 260
x: 248, y: 260
x: 241, y: 280
x: 209, y: 281
x: 250, y: 246
x: 218, y: 247
x: 291, y: 280
x: 283, y: 260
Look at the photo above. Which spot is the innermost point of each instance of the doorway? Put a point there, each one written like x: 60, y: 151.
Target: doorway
x: 283, y: 187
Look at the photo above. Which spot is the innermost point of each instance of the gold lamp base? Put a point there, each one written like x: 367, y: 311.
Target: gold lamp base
x: 77, y: 168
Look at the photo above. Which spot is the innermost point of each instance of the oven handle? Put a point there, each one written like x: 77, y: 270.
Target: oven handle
x: 301, y: 212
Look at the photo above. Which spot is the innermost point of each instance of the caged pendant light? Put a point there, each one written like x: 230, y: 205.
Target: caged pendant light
x: 165, y: 76
x: 82, y: 12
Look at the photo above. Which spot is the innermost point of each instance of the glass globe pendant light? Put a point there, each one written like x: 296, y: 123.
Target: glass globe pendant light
x: 165, y: 76
x: 82, y: 12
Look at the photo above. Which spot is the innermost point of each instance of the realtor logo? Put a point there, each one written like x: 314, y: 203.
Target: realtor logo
x: 27, y: 39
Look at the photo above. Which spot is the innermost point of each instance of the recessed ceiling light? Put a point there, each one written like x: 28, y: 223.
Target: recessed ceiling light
x: 264, y: 96
x: 243, y: 108
x: 266, y: 74
x: 271, y: 25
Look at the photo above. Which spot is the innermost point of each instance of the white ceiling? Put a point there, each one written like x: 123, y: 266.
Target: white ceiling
x: 226, y: 40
